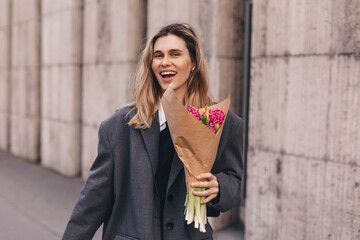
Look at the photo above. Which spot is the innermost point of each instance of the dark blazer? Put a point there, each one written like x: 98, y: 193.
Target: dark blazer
x: 120, y: 190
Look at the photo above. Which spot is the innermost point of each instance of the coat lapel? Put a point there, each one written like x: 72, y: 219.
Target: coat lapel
x: 176, y: 167
x: 151, y: 139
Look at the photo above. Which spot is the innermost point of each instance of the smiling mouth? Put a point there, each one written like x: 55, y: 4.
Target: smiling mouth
x: 168, y: 75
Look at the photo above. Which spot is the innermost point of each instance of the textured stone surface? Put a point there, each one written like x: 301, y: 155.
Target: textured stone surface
x: 342, y: 201
x: 61, y: 35
x: 294, y: 191
x: 4, y: 73
x: 25, y: 11
x: 113, y: 35
x: 291, y: 27
x: 25, y: 80
x: 303, y: 161
x: 287, y: 95
x: 344, y: 115
x: 61, y: 86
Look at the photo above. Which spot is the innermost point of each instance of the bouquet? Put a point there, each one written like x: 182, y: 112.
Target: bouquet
x: 195, y: 145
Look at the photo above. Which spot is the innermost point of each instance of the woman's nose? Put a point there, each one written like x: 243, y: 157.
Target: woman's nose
x: 165, y: 62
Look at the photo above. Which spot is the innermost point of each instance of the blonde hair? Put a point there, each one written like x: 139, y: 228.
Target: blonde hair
x: 147, y: 89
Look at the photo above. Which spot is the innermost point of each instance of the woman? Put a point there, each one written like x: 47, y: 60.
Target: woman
x: 136, y: 186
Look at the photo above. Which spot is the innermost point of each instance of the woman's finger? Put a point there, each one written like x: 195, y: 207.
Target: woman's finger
x: 207, y: 192
x: 207, y: 184
x: 208, y: 199
x: 206, y: 176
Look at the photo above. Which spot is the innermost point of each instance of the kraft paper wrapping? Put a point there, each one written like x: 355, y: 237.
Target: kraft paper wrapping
x: 195, y: 144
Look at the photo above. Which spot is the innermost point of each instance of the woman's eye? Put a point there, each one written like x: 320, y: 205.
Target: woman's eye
x: 157, y: 56
x: 176, y: 54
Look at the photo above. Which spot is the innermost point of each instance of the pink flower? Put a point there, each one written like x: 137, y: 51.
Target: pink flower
x: 215, y: 116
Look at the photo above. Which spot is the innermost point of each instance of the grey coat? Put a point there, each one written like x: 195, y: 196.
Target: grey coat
x: 120, y: 190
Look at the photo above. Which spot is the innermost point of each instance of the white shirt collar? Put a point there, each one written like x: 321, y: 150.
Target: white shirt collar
x: 162, y: 118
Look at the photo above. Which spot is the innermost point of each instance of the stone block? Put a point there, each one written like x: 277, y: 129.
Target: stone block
x: 50, y: 98
x: 24, y: 137
x: 60, y: 95
x: 284, y: 197
x: 61, y: 37
x: 230, y: 29
x: 25, y: 92
x: 4, y: 48
x: 25, y: 44
x: 90, y: 43
x: 259, y: 28
x: 344, y: 116
x: 286, y: 95
x: 25, y: 112
x: 302, y: 197
x: 268, y: 103
x: 53, y: 6
x: 262, y: 215
x: 60, y: 148
x: 291, y: 27
x: 307, y: 98
x: 136, y: 30
x: 61, y: 87
x: 104, y: 91
x: 4, y: 13
x: 342, y: 202
x: 345, y: 27
x: 111, y: 34
x: 23, y: 11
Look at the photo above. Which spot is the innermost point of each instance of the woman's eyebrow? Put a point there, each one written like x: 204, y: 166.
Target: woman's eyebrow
x: 171, y: 50
x: 175, y: 50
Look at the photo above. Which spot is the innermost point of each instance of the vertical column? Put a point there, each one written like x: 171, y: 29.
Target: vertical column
x: 5, y: 10
x: 303, y: 163
x: 61, y: 46
x: 25, y: 81
x: 113, y: 36
x: 219, y: 27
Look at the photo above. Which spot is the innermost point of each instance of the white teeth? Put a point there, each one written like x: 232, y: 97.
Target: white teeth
x: 167, y: 73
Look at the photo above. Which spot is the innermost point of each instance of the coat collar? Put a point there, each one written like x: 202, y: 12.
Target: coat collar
x: 151, y: 138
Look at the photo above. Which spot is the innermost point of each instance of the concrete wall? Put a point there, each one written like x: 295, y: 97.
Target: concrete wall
x: 304, y: 158
x: 222, y: 48
x: 25, y: 79
x: 61, y: 49
x: 5, y: 21
x: 113, y: 35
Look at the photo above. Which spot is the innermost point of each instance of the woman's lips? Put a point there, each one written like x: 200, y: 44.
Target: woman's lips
x: 168, y: 76
x: 168, y: 79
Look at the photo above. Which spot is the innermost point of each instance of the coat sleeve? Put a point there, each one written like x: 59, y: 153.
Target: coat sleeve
x: 229, y: 172
x: 96, y: 197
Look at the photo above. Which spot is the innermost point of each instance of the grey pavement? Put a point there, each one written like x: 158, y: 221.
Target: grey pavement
x: 36, y: 203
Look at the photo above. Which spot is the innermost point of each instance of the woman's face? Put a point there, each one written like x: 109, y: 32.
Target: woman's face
x: 172, y: 63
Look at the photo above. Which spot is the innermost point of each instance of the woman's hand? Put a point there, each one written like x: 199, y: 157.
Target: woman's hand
x: 208, y: 181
